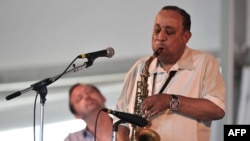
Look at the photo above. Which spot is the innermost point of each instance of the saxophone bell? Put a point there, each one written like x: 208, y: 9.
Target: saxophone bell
x: 147, y: 134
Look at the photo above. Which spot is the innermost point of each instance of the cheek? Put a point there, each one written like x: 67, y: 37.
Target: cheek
x: 79, y: 106
x: 153, y: 37
x: 153, y: 42
x: 101, y: 101
x: 76, y: 107
x: 175, y: 43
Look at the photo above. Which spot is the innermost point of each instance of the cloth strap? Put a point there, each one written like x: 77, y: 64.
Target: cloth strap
x: 171, y: 75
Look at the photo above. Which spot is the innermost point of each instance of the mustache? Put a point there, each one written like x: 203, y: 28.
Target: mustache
x: 161, y: 45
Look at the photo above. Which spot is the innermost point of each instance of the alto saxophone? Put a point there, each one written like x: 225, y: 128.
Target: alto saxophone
x: 143, y: 133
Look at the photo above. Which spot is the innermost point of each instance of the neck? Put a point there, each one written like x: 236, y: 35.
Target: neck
x: 166, y: 67
x: 104, y: 126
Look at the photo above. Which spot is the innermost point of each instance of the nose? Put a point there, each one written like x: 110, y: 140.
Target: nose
x: 162, y: 36
x: 86, y: 96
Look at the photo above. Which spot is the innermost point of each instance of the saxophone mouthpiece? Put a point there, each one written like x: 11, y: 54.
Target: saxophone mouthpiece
x: 158, y: 52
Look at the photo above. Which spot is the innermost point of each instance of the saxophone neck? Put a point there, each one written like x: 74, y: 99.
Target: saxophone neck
x: 151, y: 58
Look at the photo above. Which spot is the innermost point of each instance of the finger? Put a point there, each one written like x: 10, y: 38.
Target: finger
x: 147, y: 113
x: 147, y: 101
x: 152, y: 113
x: 146, y: 107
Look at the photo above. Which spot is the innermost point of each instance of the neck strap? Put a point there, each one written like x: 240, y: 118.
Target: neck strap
x: 171, y: 75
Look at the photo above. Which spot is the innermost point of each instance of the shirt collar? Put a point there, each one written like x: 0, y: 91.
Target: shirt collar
x: 184, y: 63
x: 87, y: 134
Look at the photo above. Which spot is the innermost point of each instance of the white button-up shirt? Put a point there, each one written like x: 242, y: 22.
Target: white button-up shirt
x: 198, y: 76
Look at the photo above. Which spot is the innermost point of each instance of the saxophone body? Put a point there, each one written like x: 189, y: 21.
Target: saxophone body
x: 143, y: 133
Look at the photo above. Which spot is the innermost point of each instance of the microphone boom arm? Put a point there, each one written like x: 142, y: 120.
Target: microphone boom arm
x: 43, y: 83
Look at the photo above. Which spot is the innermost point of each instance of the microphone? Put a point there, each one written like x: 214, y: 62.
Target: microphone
x: 108, y: 52
x: 131, y: 118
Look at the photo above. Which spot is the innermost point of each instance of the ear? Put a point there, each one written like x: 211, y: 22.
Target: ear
x: 187, y: 36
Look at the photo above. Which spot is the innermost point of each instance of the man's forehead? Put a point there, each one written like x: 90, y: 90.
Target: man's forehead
x: 168, y: 18
x: 169, y: 14
x: 83, y: 88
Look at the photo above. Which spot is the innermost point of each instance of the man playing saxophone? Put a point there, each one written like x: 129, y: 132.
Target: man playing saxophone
x: 183, y: 108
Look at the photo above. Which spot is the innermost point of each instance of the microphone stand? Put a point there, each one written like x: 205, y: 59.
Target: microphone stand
x: 115, y: 129
x: 41, y: 88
